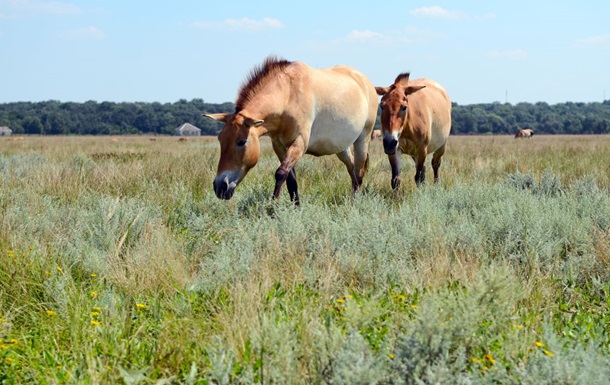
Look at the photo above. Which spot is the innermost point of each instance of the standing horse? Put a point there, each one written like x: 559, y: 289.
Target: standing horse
x: 416, y: 120
x: 304, y: 111
x: 525, y: 133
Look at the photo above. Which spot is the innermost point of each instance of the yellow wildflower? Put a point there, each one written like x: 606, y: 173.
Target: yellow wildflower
x: 490, y: 358
x: 12, y: 341
x: 341, y: 300
x: 539, y: 344
x: 59, y: 367
x: 519, y: 326
x: 96, y: 323
x: 549, y: 353
x: 95, y: 313
x: 93, y: 294
x: 141, y: 306
x: 391, y: 356
x: 414, y: 306
x: 10, y: 253
x: 51, y: 312
x: 97, y: 308
x: 10, y: 360
x: 93, y: 275
x: 2, y: 320
x: 59, y: 269
x: 3, y: 347
x: 476, y: 360
x: 401, y: 297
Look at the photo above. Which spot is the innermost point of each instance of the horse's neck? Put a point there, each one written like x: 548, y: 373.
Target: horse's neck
x: 267, y: 107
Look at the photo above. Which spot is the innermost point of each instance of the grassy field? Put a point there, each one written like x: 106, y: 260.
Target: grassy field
x: 119, y: 265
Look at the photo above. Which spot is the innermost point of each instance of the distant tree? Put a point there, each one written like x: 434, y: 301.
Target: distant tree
x: 32, y: 125
x: 108, y: 118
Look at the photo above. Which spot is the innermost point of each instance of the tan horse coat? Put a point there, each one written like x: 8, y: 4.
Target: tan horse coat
x: 416, y: 120
x: 304, y: 111
x: 525, y: 133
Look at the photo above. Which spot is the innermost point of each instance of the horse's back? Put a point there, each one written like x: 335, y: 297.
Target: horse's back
x: 342, y: 103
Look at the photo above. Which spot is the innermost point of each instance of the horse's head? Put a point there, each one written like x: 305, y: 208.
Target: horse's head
x: 239, y: 150
x: 394, y: 110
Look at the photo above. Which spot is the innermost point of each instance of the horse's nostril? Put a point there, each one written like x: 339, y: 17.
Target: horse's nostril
x: 220, y: 186
x: 223, y: 188
x: 389, y: 144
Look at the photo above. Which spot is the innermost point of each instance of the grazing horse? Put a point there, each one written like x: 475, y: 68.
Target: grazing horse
x: 416, y: 120
x: 526, y: 133
x: 304, y: 111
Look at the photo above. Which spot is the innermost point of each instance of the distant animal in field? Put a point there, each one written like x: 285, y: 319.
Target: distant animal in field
x: 114, y: 140
x: 303, y: 110
x: 415, y: 120
x: 526, y: 133
x: 376, y: 134
x: 13, y: 138
x: 183, y: 139
x: 152, y: 139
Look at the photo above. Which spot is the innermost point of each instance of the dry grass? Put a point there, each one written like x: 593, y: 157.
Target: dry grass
x: 230, y: 289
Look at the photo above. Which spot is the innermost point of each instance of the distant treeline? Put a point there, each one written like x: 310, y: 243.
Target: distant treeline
x: 108, y: 118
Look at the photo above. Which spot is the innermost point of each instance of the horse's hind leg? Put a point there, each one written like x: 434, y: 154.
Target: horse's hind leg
x: 436, y: 161
x: 348, y: 160
x: 361, y: 157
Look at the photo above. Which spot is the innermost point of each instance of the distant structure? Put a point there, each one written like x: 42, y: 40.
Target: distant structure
x: 188, y: 129
x: 5, y: 131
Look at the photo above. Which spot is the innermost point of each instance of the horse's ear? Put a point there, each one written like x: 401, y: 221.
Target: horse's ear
x: 411, y: 89
x: 217, y: 117
x: 381, y: 90
x: 253, y: 123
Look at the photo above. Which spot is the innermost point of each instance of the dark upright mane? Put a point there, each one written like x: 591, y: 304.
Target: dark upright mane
x: 256, y: 79
x: 402, y: 76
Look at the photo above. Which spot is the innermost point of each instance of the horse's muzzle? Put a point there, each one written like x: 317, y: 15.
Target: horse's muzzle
x: 390, y: 144
x: 223, y: 188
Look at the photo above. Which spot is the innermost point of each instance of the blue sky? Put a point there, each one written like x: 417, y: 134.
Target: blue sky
x: 481, y: 51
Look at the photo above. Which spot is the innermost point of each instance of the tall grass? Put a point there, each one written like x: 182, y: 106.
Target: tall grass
x: 119, y: 265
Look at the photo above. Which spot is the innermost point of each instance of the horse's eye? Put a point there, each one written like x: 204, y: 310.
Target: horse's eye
x: 241, y: 142
x: 404, y: 108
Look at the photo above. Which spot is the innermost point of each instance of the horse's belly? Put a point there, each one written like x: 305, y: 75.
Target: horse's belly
x: 332, y: 135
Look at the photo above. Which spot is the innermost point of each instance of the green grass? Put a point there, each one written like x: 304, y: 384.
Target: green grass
x: 119, y: 265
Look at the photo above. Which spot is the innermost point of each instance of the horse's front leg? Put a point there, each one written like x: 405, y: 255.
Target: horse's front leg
x: 286, y: 172
x: 395, y: 165
x: 293, y: 188
x: 420, y: 167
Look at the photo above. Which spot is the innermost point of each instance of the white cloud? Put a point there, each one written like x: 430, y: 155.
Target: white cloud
x: 245, y: 23
x: 395, y: 38
x: 363, y: 36
x: 517, y: 54
x: 46, y: 7
x: 90, y: 32
x: 594, y: 40
x: 442, y: 13
x: 436, y: 11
